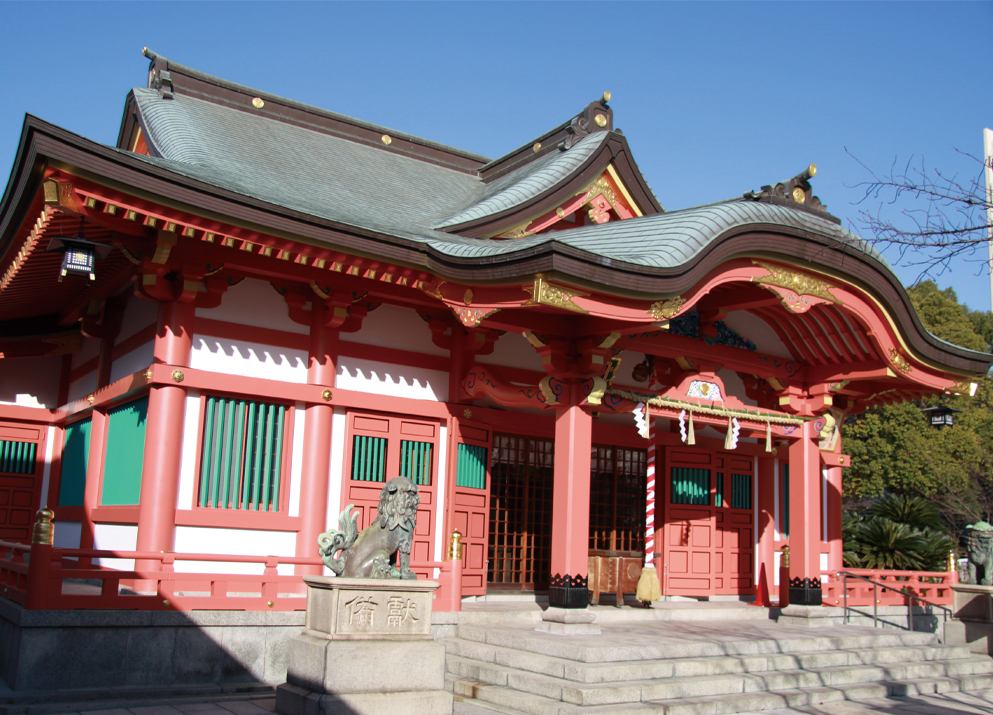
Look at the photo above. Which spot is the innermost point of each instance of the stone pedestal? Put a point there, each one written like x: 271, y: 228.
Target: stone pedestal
x: 366, y: 649
x: 972, y: 624
x: 569, y: 621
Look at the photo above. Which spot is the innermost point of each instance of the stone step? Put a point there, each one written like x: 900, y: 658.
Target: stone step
x: 516, y: 702
x: 629, y: 690
x: 688, y: 667
x: 594, y: 649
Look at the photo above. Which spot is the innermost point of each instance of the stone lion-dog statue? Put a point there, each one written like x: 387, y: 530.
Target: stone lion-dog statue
x: 979, y: 542
x: 382, y: 549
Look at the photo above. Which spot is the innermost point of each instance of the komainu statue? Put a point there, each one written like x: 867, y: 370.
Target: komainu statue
x: 980, y: 549
x: 382, y: 550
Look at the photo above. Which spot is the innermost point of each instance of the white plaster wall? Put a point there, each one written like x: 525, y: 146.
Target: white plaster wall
x: 339, y: 425
x: 296, y: 458
x: 188, y: 460
x: 115, y: 537
x: 67, y: 534
x: 513, y: 350
x: 138, y: 314
x: 236, y: 542
x: 129, y: 363
x: 382, y: 378
x: 239, y: 357
x: 90, y: 349
x: 254, y: 302
x: 391, y: 326
x: 83, y: 386
x: 440, y: 538
x: 46, y: 472
x: 751, y: 327
x: 30, y: 382
x: 735, y: 386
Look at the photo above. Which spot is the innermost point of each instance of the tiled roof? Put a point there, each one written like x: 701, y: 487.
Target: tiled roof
x: 368, y: 187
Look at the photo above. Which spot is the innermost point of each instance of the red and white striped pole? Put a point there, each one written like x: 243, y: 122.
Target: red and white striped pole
x: 648, y: 583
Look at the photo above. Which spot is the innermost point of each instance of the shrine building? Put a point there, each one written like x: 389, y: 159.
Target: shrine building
x: 249, y: 313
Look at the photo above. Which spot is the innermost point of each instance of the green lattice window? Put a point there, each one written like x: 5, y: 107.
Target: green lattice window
x: 415, y: 461
x: 75, y: 458
x: 690, y: 486
x: 124, y: 454
x: 741, y: 491
x: 242, y: 455
x: 368, y: 458
x: 17, y: 457
x: 719, y: 489
x: 471, y: 468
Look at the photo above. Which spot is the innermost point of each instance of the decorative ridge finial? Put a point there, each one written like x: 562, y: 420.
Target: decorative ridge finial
x: 796, y: 190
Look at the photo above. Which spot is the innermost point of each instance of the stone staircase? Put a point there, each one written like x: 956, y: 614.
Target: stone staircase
x: 697, y: 667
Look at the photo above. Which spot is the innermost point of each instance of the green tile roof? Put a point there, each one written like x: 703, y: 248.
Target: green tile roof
x: 369, y: 187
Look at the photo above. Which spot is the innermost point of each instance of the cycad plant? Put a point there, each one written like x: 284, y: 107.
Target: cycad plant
x: 898, y: 532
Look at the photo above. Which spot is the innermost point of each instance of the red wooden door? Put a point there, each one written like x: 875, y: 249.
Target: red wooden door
x: 380, y: 447
x: 22, y: 450
x: 469, y: 505
x: 708, y: 545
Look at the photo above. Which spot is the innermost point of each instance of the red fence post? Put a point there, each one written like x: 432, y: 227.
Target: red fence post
x: 41, y: 559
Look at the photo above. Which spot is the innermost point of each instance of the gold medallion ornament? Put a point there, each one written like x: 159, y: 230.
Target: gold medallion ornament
x: 545, y: 293
x: 177, y: 375
x: 387, y: 139
x: 798, y: 195
x: 326, y: 395
x: 899, y: 361
x: 536, y: 148
x: 665, y: 309
x: 467, y: 413
x: 258, y: 103
x: 467, y: 298
x: 601, y: 121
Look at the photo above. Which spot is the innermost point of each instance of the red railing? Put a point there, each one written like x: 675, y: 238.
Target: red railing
x: 935, y: 586
x: 38, y: 576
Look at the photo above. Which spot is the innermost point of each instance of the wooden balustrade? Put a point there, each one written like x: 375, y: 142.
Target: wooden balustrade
x: 41, y: 576
x: 935, y: 586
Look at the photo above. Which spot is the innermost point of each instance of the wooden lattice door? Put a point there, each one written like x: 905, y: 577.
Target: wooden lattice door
x: 380, y: 447
x: 709, y: 524
x: 520, y: 512
x: 469, y: 505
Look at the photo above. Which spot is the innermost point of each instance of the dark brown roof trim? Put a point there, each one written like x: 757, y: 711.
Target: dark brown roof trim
x: 42, y: 143
x: 191, y: 82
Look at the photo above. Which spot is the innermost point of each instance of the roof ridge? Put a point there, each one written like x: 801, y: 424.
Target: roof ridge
x: 171, y: 66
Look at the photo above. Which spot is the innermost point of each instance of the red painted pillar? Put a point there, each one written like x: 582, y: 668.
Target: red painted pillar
x: 164, y: 432
x: 316, y: 440
x: 835, y: 546
x: 766, y: 529
x: 571, y: 504
x: 805, y: 518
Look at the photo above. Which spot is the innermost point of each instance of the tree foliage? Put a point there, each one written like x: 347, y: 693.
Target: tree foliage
x: 895, y: 451
x: 897, y: 532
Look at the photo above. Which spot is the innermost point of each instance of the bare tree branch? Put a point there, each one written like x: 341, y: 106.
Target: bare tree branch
x: 947, y: 217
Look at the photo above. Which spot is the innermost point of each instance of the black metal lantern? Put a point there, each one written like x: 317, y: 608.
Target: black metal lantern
x: 78, y: 255
x: 940, y: 416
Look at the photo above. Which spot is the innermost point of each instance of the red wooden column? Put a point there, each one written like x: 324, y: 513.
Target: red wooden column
x: 571, y: 503
x: 765, y: 528
x: 805, y: 518
x: 94, y: 471
x: 835, y: 546
x: 321, y: 371
x: 164, y: 431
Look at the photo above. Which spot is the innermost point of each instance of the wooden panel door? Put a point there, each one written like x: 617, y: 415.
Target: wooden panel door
x: 22, y: 451
x: 469, y: 505
x: 380, y: 447
x: 690, y: 547
x: 734, y: 525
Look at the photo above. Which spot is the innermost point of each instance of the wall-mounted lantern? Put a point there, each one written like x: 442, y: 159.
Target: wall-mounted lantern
x: 78, y: 255
x: 940, y: 416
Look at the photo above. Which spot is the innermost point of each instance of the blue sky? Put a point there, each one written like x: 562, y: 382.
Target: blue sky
x: 715, y: 98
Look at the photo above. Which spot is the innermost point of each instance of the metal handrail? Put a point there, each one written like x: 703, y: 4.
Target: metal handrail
x: 875, y: 601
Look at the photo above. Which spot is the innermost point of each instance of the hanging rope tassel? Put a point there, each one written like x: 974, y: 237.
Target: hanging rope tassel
x: 690, y: 435
x: 729, y: 437
x: 768, y: 436
x: 648, y: 583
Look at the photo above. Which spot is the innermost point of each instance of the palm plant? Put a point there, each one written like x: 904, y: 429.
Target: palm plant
x: 897, y: 532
